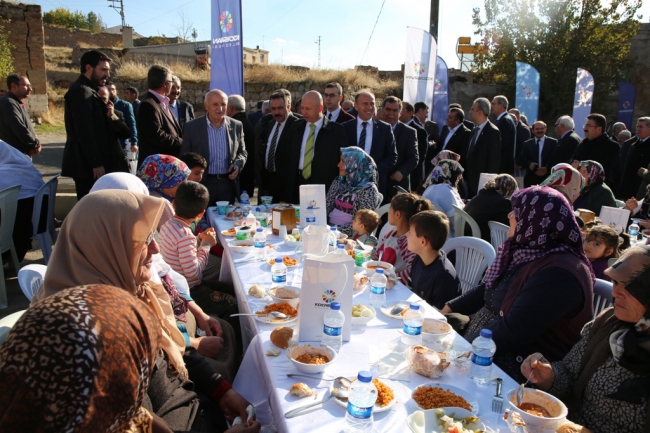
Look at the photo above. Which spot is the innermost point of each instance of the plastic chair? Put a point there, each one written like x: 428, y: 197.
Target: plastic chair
x: 381, y: 212
x: 460, y: 219
x: 602, y: 296
x: 620, y: 203
x: 7, y: 323
x: 436, y: 207
x: 30, y: 278
x: 8, y: 206
x: 473, y: 256
x: 47, y: 238
x: 498, y: 233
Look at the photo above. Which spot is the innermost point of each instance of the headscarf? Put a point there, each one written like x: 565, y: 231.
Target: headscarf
x: 446, y: 171
x: 100, y: 243
x: 505, y: 184
x: 565, y: 179
x: 16, y: 168
x: 596, y: 173
x: 545, y: 225
x: 123, y: 181
x: 163, y: 171
x: 445, y: 154
x: 360, y: 170
x: 80, y: 360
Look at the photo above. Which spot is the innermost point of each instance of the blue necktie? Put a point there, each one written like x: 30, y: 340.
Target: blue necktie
x: 362, y: 137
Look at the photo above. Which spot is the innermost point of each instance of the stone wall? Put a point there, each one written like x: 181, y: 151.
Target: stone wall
x: 60, y: 37
x: 25, y: 26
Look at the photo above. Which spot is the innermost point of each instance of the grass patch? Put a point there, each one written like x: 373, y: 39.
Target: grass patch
x: 138, y: 71
x: 46, y: 127
x: 53, y: 120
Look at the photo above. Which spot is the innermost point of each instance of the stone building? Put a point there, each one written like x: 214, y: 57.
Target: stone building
x: 256, y: 56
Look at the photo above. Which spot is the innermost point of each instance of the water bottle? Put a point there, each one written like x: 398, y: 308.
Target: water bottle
x: 334, y: 237
x: 361, y: 400
x: 279, y: 271
x: 244, y: 201
x: 251, y: 221
x: 378, y: 288
x: 413, y: 319
x: 259, y: 242
x: 483, y: 349
x: 333, y: 321
x: 310, y: 216
x: 340, y: 251
x: 633, y: 231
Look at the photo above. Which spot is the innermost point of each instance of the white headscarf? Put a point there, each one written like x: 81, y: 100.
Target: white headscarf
x: 124, y: 181
x: 16, y: 168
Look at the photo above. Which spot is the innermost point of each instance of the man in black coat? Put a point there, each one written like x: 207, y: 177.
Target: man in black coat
x: 333, y: 96
x: 237, y: 110
x: 484, y: 149
x: 406, y: 144
x: 597, y: 146
x: 638, y: 158
x: 315, y: 149
x: 523, y: 133
x: 407, y: 117
x: 16, y: 127
x: 455, y: 137
x: 568, y: 141
x: 89, y: 151
x: 256, y: 115
x: 183, y: 111
x: 422, y: 114
x: 508, y: 131
x: 535, y: 154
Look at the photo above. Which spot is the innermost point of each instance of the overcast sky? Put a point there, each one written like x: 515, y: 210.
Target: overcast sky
x: 289, y: 29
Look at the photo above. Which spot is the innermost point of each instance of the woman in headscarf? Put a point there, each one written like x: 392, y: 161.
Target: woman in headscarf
x: 355, y: 188
x: 162, y: 174
x: 108, y: 239
x: 443, y: 154
x: 123, y: 181
x: 605, y: 378
x: 595, y: 194
x: 443, y: 190
x: 565, y: 179
x: 537, y: 295
x: 492, y: 203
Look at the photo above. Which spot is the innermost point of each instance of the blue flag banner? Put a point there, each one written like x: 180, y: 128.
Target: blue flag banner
x: 227, y: 68
x: 441, y: 94
x: 626, y: 100
x: 583, y: 99
x: 527, y: 96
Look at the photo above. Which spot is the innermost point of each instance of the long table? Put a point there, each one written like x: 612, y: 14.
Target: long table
x: 263, y: 379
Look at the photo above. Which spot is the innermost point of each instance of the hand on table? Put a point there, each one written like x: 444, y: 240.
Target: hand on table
x: 445, y: 310
x: 251, y: 427
x: 134, y: 149
x: 543, y: 375
x: 233, y: 405
x: 631, y: 204
x: 645, y: 224
x: 209, y: 236
x: 209, y: 346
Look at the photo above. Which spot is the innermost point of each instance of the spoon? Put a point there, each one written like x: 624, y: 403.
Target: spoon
x: 273, y: 314
x: 342, y: 381
x: 520, y: 391
x: 338, y: 393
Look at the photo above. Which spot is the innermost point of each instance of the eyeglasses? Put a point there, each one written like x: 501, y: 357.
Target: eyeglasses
x: 590, y: 126
x: 330, y: 95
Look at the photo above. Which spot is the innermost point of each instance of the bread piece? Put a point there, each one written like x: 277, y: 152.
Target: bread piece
x: 284, y: 293
x: 257, y: 291
x: 273, y: 352
x: 572, y: 428
x: 301, y: 390
x: 426, y: 362
x: 280, y: 336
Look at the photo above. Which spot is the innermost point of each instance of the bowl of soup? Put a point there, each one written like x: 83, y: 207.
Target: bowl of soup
x: 373, y: 265
x: 537, y: 408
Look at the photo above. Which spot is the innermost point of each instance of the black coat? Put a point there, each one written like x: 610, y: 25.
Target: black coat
x: 420, y: 171
x: 605, y: 151
x: 158, y: 130
x: 432, y: 130
x: 483, y: 157
x: 523, y: 134
x: 247, y: 175
x: 488, y: 205
x: 638, y: 156
x: 530, y: 154
x: 16, y: 127
x: 185, y: 112
x: 407, y: 157
x: 564, y: 151
x: 508, y: 131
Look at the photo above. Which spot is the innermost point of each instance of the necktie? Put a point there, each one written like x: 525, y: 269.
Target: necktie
x: 362, y: 137
x: 472, y: 142
x: 274, y: 144
x: 329, y: 116
x: 309, y: 152
x: 539, y: 153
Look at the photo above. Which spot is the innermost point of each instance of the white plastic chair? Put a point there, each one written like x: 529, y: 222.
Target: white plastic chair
x: 460, y: 219
x: 473, y: 256
x: 46, y: 238
x: 8, y: 206
x: 498, y: 233
x: 602, y: 296
x: 620, y: 203
x: 7, y: 323
x: 30, y: 278
x: 381, y: 212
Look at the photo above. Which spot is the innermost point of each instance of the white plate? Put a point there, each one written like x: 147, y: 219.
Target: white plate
x: 225, y: 233
x: 385, y: 309
x: 265, y: 319
x: 415, y: 421
x: 359, y: 321
x: 637, y: 220
x: 293, y: 244
x: 376, y: 409
x: 460, y: 392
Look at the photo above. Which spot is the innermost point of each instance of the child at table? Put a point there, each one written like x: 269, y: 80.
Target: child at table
x: 433, y: 277
x: 393, y: 248
x: 197, y: 165
x: 364, y: 223
x: 602, y: 243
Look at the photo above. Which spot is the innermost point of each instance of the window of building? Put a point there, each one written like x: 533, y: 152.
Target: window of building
x: 261, y: 57
x: 244, y: 56
x: 253, y: 59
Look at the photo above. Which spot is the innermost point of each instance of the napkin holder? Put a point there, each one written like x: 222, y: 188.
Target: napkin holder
x: 284, y: 215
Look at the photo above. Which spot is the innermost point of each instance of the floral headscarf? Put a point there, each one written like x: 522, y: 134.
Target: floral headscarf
x: 446, y: 171
x: 545, y: 225
x: 567, y: 180
x: 445, y: 154
x: 163, y: 171
x: 505, y: 184
x: 360, y: 169
x: 596, y: 173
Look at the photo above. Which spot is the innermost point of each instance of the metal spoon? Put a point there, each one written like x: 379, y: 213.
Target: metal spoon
x: 520, y: 391
x: 273, y: 314
x: 341, y: 381
x: 338, y: 393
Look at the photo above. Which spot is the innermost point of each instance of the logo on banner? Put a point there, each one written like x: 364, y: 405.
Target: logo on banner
x: 225, y: 21
x: 527, y: 90
x: 419, y: 68
x: 438, y: 84
x: 225, y: 25
x: 329, y: 296
x: 627, y: 105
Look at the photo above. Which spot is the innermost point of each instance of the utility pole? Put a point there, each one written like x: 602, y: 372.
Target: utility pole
x: 318, y: 42
x: 435, y: 19
x: 118, y: 5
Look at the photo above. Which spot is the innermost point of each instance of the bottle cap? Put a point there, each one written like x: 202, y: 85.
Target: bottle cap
x: 364, y: 376
x: 414, y: 307
x: 486, y: 333
x: 244, y: 192
x: 333, y: 228
x: 379, y: 270
x: 278, y: 260
x: 335, y: 306
x: 259, y: 230
x: 340, y: 246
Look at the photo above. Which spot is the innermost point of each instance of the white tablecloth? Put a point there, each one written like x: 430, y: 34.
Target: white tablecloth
x: 263, y: 381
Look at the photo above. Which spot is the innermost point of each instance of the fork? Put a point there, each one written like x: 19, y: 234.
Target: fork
x: 497, y: 400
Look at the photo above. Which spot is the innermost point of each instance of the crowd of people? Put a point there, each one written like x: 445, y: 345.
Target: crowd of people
x: 136, y: 256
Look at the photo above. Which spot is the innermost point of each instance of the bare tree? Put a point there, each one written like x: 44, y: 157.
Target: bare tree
x: 183, y: 26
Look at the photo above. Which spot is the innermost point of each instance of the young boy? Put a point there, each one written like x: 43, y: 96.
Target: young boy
x: 197, y: 165
x: 364, y: 223
x: 433, y: 277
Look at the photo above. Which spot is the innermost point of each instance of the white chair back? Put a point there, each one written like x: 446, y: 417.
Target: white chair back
x: 8, y: 322
x: 460, y: 219
x: 498, y: 233
x: 46, y: 238
x: 473, y: 256
x: 602, y: 296
x: 8, y: 207
x: 381, y: 212
x: 30, y: 278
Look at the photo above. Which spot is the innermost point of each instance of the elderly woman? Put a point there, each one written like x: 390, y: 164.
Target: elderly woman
x: 162, y: 174
x: 492, y: 203
x: 595, y: 194
x: 108, y: 239
x: 605, y: 378
x: 355, y: 188
x: 443, y: 190
x: 565, y: 179
x: 443, y: 154
x: 537, y: 295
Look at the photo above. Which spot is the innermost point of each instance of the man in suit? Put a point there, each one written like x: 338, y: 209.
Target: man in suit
x: 597, y: 146
x: 567, y: 143
x: 407, y: 116
x: 374, y: 136
x: 333, y: 96
x: 348, y: 106
x: 406, y: 143
x: 236, y: 109
x: 131, y: 96
x: 256, y: 115
x: 220, y: 140
x: 455, y: 136
x: 484, y: 149
x: 422, y: 114
x: 118, y: 131
x: 183, y: 111
x: 523, y: 134
x: 158, y: 130
x: 126, y: 109
x: 266, y: 122
x: 468, y: 123
x: 16, y: 127
x: 315, y: 149
x: 508, y: 132
x: 535, y: 154
x: 638, y: 158
x: 272, y: 145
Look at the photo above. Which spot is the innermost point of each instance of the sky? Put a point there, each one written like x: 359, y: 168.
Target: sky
x: 289, y: 29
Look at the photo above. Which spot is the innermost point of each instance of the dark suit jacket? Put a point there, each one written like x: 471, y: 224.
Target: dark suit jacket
x: 272, y: 183
x: 327, y: 154
x: 16, y: 127
x: 458, y: 143
x: 185, y: 112
x: 508, y: 132
x: 530, y: 154
x: 353, y: 112
x: 469, y: 124
x: 638, y: 156
x: 523, y: 134
x: 424, y: 148
x: 158, y: 129
x: 406, y: 144
x: 604, y: 150
x: 247, y: 176
x: 432, y: 130
x: 343, y: 116
x: 255, y: 117
x: 483, y: 157
x: 564, y: 151
x: 382, y: 149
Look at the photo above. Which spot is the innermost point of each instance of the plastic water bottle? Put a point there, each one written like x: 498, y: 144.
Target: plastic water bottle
x: 259, y: 242
x: 378, y: 288
x: 361, y: 401
x: 310, y: 216
x: 483, y: 349
x: 251, y: 221
x: 279, y: 271
x: 334, y: 237
x: 633, y: 231
x: 340, y: 251
x: 333, y: 321
x: 245, y: 202
x: 413, y: 319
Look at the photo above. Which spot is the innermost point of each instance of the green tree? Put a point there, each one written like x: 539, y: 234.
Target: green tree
x: 557, y: 37
x: 76, y: 20
x: 6, y: 60
x: 95, y: 23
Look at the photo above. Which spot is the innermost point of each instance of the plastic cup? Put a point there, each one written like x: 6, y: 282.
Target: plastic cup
x: 267, y: 199
x: 222, y: 207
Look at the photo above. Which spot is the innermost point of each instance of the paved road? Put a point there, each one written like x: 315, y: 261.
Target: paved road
x: 49, y: 160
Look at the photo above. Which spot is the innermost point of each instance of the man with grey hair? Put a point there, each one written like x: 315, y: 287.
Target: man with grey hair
x: 568, y: 141
x: 236, y: 109
x: 508, y: 131
x: 183, y: 111
x: 623, y: 136
x: 636, y: 161
x: 617, y: 128
x: 266, y: 108
x: 484, y: 149
x: 158, y: 129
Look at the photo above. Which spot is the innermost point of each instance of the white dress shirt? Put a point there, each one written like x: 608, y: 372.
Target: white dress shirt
x: 319, y: 125
x: 335, y: 114
x: 369, y: 129
x: 449, y: 135
x: 540, y: 146
x: 501, y: 115
x: 279, y: 126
